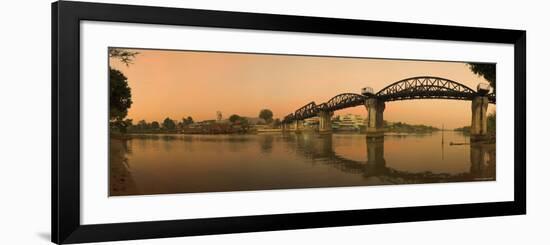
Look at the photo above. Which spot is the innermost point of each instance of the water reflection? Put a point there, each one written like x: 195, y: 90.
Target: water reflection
x: 121, y: 181
x: 266, y: 143
x: 375, y: 155
x: 483, y: 158
x: 482, y: 162
x: 206, y: 163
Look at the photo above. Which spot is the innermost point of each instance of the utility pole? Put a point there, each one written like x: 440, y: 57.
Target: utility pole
x: 442, y: 142
x: 442, y: 133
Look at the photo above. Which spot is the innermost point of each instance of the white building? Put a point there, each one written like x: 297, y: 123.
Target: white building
x: 311, y: 121
x: 349, y: 122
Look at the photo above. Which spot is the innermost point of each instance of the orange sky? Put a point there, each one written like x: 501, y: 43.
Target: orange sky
x: 175, y: 84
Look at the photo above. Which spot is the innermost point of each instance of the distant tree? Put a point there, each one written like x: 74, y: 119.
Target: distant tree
x: 465, y: 129
x: 276, y: 123
x: 124, y: 125
x: 187, y: 121
x: 155, y: 125
x: 245, y: 125
x: 123, y: 55
x: 142, y: 124
x: 129, y: 122
x: 267, y: 115
x: 168, y: 123
x: 487, y: 71
x: 234, y: 118
x: 120, y: 95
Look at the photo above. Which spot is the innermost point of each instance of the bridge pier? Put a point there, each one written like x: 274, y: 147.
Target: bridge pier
x: 478, y: 128
x: 285, y: 127
x: 375, y: 118
x: 298, y: 126
x: 325, y: 124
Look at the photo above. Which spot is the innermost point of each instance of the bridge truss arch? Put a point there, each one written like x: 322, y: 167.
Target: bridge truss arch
x: 307, y: 111
x: 289, y: 118
x: 426, y: 87
x: 342, y: 101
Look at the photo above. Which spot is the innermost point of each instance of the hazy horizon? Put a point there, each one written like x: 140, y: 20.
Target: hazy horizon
x: 177, y: 84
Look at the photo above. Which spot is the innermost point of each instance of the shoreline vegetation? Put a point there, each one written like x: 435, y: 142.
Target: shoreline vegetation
x: 491, y: 125
x: 246, y: 125
x: 401, y: 127
x: 491, y: 129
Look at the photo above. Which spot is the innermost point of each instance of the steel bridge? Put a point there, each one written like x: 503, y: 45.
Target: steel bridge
x: 421, y: 87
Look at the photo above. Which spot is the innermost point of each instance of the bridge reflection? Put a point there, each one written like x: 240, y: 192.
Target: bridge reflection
x: 320, y: 150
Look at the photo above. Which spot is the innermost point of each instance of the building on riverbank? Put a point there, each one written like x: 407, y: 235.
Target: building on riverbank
x: 313, y: 121
x: 348, y: 122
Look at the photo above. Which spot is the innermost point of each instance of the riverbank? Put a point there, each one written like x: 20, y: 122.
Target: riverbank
x: 120, y: 177
x: 400, y: 127
x: 131, y: 135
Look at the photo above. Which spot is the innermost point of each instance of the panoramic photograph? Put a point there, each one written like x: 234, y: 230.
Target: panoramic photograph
x: 185, y: 121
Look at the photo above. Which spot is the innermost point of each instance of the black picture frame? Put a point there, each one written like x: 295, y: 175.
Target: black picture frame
x: 66, y: 18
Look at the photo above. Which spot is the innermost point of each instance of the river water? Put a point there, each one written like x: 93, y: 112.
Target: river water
x: 160, y: 164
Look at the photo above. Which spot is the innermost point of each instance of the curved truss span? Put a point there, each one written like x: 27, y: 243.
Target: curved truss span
x: 342, y: 101
x: 425, y: 88
x: 307, y: 111
x: 337, y: 102
x: 289, y: 118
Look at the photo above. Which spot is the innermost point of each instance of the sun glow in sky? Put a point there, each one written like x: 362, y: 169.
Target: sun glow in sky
x: 177, y: 84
